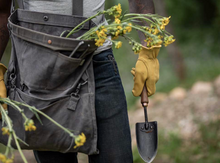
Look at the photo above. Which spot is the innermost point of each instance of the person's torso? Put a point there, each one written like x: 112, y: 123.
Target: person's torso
x: 90, y: 7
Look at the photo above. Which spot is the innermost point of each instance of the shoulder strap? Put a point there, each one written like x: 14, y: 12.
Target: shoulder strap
x: 77, y: 7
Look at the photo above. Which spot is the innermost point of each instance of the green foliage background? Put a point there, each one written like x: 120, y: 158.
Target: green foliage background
x: 196, y: 26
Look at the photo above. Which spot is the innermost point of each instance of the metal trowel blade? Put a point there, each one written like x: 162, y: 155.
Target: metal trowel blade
x: 147, y: 140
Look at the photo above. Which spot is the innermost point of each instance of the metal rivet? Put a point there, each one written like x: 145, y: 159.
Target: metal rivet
x: 151, y: 127
x: 49, y: 42
x: 46, y: 18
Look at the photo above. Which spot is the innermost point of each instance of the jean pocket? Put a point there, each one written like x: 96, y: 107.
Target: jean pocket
x: 105, y: 65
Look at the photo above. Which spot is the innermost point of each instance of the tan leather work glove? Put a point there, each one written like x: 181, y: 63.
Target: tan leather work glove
x: 146, y: 71
x: 3, y: 91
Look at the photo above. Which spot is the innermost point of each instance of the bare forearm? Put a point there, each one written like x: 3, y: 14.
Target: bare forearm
x: 4, y: 14
x: 4, y: 35
x: 142, y: 7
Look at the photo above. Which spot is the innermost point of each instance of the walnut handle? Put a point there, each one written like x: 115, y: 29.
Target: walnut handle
x: 144, y: 97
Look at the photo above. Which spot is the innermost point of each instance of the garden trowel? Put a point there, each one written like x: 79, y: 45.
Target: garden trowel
x: 146, y: 134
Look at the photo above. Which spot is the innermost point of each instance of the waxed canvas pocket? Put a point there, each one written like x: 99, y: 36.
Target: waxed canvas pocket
x: 42, y: 67
x: 80, y: 121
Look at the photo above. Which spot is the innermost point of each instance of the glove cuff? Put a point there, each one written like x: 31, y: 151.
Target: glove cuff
x: 151, y: 52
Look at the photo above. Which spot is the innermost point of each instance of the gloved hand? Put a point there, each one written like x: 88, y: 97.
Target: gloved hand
x: 3, y: 92
x: 146, y: 71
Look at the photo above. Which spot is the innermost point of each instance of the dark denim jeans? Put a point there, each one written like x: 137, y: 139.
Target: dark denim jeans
x: 114, y: 139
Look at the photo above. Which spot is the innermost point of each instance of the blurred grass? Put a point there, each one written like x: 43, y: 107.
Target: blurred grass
x: 174, y: 149
x: 200, y: 48
x: 201, y: 58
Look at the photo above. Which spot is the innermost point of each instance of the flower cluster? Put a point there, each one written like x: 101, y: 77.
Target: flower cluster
x: 118, y: 44
x: 136, y: 47
x: 5, y: 131
x: 100, y: 36
x: 116, y: 11
x: 163, y: 22
x: 29, y: 125
x: 4, y: 159
x: 122, y: 25
x: 80, y: 140
x: 168, y: 40
x: 155, y: 37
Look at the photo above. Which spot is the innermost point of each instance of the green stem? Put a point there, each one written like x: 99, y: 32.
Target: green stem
x: 10, y: 129
x: 8, y: 145
x: 15, y: 106
x: 139, y: 17
x: 71, y: 134
x: 7, y: 119
x: 18, y: 103
x: 72, y: 31
x: 128, y: 38
x: 33, y: 108
x: 19, y: 148
x: 141, y: 30
x: 147, y: 15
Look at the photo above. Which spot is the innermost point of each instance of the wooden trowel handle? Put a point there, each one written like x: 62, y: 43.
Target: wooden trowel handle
x: 144, y: 97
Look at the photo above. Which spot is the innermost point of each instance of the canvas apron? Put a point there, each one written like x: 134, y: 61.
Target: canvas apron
x: 42, y: 74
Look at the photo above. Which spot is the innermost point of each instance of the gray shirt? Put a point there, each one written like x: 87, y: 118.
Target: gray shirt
x: 90, y: 7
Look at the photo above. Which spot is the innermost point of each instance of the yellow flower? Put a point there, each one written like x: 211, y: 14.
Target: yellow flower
x: 117, y: 33
x: 162, y: 27
x: 155, y: 31
x: 118, y: 10
x: 114, y: 38
x: 148, y: 29
x: 129, y: 28
x: 26, y: 128
x: 102, y: 33
x: 5, y: 131
x: 99, y: 42
x: 80, y: 140
x: 158, y: 42
x: 168, y: 40
x: 149, y: 41
x: 165, y: 21
x: 9, y: 161
x: 104, y: 30
x: 119, y: 27
x: 3, y: 158
x: 29, y: 126
x: 137, y: 48
x: 117, y: 21
x: 160, y: 36
x: 118, y: 45
x: 33, y: 128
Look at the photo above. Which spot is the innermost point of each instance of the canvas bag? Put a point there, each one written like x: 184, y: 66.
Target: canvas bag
x: 41, y: 74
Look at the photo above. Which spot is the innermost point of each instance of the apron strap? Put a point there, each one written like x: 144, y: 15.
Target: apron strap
x: 20, y: 4
x: 77, y: 7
